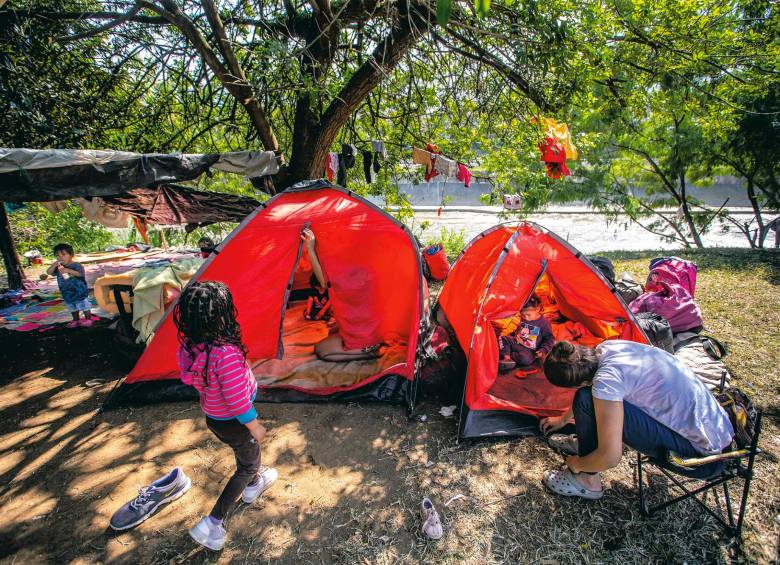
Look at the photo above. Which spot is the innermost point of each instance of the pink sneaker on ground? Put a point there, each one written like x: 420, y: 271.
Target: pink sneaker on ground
x: 86, y: 322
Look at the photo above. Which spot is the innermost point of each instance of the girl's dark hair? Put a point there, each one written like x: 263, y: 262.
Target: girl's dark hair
x: 66, y: 247
x: 532, y: 302
x: 206, y: 315
x: 569, y: 365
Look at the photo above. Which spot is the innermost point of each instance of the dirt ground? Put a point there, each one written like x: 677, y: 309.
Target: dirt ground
x: 351, y: 476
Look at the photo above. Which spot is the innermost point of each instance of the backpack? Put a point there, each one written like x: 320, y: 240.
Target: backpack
x: 443, y: 366
x: 605, y: 266
x: 657, y: 329
x: 672, y: 270
x: 742, y: 414
x: 628, y: 289
x: 435, y: 257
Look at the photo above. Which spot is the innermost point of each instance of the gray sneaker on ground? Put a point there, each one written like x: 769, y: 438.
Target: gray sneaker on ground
x: 149, y: 499
x: 565, y: 444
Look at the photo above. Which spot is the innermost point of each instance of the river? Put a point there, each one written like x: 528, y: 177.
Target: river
x: 588, y: 232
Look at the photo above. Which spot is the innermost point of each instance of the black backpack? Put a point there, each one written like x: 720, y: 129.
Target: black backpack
x: 605, y: 266
x: 742, y: 414
x: 657, y: 329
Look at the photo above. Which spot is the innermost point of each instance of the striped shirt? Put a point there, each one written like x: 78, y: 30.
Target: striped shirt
x: 231, y: 386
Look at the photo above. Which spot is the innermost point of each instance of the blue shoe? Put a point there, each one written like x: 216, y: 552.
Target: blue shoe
x: 149, y: 499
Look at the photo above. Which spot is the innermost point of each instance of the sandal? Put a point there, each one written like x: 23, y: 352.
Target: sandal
x: 564, y: 444
x: 431, y: 523
x: 563, y: 482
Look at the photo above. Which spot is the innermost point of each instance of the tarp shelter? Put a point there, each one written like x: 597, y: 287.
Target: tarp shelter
x: 41, y: 175
x: 170, y: 204
x: 45, y: 175
x: 491, y: 279
x: 263, y: 261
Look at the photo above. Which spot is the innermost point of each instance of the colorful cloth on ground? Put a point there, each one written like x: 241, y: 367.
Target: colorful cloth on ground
x: 42, y: 313
x: 228, y: 387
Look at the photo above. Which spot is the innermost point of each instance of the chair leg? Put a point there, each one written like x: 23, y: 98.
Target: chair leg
x: 642, y: 502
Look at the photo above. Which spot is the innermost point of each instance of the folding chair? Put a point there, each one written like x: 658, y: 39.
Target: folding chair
x: 738, y: 464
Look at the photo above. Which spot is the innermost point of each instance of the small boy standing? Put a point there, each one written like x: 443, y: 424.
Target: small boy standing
x: 533, y: 338
x: 73, y: 285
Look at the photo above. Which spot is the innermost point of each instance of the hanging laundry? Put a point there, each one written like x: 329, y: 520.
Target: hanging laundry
x: 554, y: 157
x: 140, y: 225
x: 446, y: 166
x: 464, y: 175
x: 346, y: 161
x: 423, y: 157
x: 368, y: 171
x: 379, y: 150
x: 433, y: 148
x: 560, y: 131
x: 96, y: 210
x: 55, y: 206
x: 14, y: 206
x: 331, y: 165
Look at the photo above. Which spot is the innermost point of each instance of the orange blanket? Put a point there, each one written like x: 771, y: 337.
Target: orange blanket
x: 301, y: 368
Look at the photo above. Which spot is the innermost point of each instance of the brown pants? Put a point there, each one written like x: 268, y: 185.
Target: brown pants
x: 247, y: 452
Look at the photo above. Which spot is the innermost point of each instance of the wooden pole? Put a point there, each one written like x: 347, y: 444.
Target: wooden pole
x: 10, y: 259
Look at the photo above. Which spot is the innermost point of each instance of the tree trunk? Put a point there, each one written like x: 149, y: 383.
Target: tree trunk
x: 687, y: 213
x: 10, y: 259
x: 762, y: 229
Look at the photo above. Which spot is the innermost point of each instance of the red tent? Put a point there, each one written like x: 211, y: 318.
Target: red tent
x: 489, y: 282
x: 264, y: 264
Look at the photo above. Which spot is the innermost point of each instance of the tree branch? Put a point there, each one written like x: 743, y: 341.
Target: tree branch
x: 237, y: 87
x: 482, y: 55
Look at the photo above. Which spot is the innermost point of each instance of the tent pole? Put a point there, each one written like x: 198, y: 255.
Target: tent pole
x: 13, y: 267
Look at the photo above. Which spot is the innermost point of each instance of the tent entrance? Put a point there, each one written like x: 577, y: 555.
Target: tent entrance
x: 530, y: 392
x: 301, y: 369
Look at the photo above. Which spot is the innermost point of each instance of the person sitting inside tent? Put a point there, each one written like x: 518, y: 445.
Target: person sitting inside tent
x: 356, y: 333
x: 532, y: 339
x: 634, y: 394
x: 318, y: 306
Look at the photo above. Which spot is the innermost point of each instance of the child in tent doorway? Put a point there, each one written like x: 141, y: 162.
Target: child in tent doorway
x: 533, y: 339
x: 318, y: 306
x: 212, y: 358
x: 357, y: 332
x: 71, y: 279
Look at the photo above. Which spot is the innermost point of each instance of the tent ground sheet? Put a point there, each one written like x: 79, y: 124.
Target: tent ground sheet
x: 300, y: 368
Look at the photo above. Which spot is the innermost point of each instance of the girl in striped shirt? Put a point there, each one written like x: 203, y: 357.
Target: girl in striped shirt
x: 212, y: 358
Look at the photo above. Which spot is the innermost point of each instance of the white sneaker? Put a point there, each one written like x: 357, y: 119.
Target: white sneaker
x: 266, y: 478
x: 208, y: 535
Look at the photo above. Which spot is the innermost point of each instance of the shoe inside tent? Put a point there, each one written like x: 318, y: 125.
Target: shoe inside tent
x: 489, y: 282
x: 264, y: 264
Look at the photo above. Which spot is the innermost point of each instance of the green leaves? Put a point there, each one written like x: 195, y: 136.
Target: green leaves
x: 443, y: 11
x: 482, y: 7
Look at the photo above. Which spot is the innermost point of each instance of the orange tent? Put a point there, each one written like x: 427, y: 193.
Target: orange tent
x: 491, y: 279
x: 264, y: 264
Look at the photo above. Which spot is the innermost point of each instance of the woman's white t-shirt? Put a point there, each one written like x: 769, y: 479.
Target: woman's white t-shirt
x: 665, y: 389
